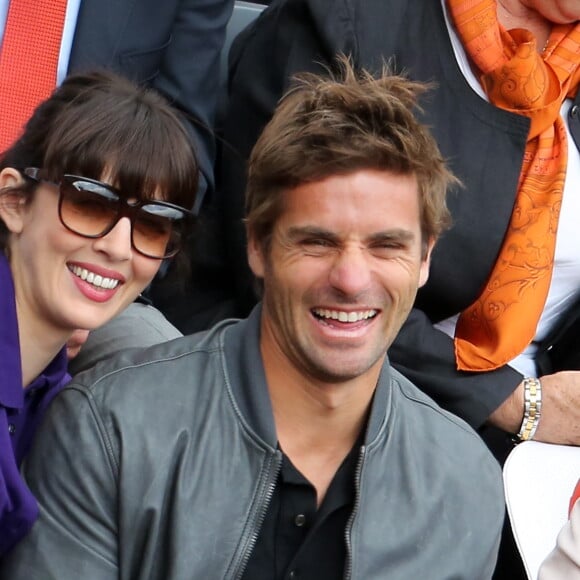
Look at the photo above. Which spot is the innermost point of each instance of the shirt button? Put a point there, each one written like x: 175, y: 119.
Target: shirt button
x: 11, y: 428
x: 300, y: 520
x: 293, y: 575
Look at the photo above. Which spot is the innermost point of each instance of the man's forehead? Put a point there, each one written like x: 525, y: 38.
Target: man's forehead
x: 362, y: 197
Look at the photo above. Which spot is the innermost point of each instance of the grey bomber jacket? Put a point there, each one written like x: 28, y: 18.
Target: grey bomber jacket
x: 159, y: 465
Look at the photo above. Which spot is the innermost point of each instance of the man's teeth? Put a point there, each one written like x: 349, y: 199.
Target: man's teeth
x: 343, y: 316
x: 94, y: 279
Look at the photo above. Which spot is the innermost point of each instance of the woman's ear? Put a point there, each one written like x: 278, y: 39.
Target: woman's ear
x: 12, y: 200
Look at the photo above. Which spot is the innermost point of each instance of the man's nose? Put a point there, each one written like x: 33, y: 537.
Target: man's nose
x: 350, y: 272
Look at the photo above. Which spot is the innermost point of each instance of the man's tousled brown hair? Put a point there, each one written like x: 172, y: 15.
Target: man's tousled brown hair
x: 339, y: 124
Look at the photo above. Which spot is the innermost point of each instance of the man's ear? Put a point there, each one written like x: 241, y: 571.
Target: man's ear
x: 426, y: 263
x: 12, y: 201
x: 256, y: 257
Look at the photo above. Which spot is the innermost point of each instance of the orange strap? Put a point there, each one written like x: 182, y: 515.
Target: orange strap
x: 502, y: 321
x: 28, y: 61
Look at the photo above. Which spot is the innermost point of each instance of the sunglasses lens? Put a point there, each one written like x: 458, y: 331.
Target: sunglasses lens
x: 157, y: 230
x: 87, y: 208
x: 91, y: 209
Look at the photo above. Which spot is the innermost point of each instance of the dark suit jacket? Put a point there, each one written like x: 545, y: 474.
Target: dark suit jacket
x: 171, y: 45
x: 484, y: 146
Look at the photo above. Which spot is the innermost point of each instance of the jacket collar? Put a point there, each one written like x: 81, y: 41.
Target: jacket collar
x: 246, y: 377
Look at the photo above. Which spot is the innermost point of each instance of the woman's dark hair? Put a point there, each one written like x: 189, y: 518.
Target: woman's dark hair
x: 100, y: 124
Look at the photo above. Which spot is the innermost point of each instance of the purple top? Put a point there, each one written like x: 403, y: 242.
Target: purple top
x: 20, y: 413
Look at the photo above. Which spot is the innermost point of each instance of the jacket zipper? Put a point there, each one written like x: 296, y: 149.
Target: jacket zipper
x: 348, y: 529
x: 261, y: 515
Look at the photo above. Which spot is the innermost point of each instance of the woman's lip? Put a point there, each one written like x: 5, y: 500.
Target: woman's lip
x: 92, y: 293
x: 100, y: 270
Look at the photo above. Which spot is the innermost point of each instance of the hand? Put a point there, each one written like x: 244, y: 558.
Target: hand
x: 560, y: 419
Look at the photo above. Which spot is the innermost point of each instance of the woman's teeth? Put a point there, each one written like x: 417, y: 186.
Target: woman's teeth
x: 94, y: 279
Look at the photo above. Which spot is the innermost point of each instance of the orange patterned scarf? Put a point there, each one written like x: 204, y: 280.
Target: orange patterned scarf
x: 501, y: 323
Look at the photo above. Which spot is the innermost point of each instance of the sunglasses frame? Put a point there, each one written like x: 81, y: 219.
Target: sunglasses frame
x: 125, y: 208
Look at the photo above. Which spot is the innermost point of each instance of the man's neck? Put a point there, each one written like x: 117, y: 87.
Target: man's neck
x: 317, y: 424
x: 318, y: 447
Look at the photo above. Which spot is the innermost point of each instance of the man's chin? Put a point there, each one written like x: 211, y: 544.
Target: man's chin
x: 340, y: 371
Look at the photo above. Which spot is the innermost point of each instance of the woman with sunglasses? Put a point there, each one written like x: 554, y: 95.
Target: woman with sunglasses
x: 92, y: 199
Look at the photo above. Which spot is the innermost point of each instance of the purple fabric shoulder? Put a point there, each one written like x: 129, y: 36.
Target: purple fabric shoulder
x: 21, y: 411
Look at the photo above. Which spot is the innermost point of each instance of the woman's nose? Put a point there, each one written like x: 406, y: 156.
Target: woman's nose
x: 117, y: 243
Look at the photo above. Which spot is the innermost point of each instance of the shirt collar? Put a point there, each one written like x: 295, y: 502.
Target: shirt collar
x: 53, y: 374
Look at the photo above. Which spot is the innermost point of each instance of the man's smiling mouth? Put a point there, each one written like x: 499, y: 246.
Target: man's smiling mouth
x: 343, y: 315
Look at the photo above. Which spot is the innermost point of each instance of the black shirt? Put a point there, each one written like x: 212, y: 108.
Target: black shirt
x: 297, y: 541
